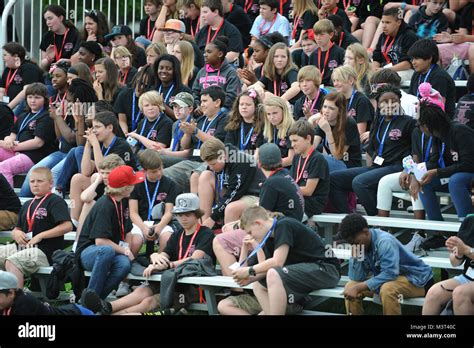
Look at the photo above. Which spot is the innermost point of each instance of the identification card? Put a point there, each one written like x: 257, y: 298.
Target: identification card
x: 234, y: 266
x: 470, y: 272
x: 123, y: 244
x: 29, y: 235
x: 6, y: 99
x: 420, y: 170
x: 444, y: 181
x: 197, y: 153
x: 149, y: 223
x: 132, y: 141
x: 292, y: 42
x: 378, y: 160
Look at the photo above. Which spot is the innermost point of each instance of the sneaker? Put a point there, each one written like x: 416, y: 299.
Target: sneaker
x: 123, y: 290
x: 414, y: 244
x: 434, y: 242
x: 168, y: 311
x: 182, y: 311
x: 92, y: 301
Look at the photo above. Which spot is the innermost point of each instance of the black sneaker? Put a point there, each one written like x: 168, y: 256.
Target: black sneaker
x: 168, y: 311
x: 433, y: 242
x: 92, y: 301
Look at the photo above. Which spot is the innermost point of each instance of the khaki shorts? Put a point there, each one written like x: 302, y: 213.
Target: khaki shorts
x: 28, y: 261
x: 8, y: 220
x: 247, y: 303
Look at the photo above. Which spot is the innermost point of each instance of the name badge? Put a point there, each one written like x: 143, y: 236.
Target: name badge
x: 378, y: 160
x: 444, y: 181
x: 292, y: 42
x: 6, y: 99
x: 470, y: 272
x: 197, y: 152
x: 149, y: 223
x: 132, y: 141
x: 123, y: 244
x: 234, y: 266
x: 29, y: 235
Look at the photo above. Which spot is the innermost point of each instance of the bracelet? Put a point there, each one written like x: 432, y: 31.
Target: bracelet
x: 404, y: 4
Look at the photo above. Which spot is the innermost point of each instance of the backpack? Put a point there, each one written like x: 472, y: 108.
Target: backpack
x: 457, y: 70
x: 65, y: 269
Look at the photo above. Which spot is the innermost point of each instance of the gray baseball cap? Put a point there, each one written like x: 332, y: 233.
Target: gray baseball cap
x: 186, y: 202
x: 183, y: 99
x: 8, y: 281
x: 269, y: 154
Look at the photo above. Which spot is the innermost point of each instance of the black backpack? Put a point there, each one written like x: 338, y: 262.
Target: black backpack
x: 65, y: 269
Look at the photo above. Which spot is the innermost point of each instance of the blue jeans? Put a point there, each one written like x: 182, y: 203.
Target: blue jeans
x: 54, y: 162
x: 459, y: 187
x: 363, y: 181
x: 71, y: 166
x: 108, y: 268
x: 334, y: 164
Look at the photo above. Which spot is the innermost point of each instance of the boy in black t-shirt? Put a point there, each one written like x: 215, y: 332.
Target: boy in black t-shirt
x: 296, y: 261
x: 103, y: 246
x: 42, y: 223
x: 147, y: 24
x: 309, y: 168
x: 329, y: 7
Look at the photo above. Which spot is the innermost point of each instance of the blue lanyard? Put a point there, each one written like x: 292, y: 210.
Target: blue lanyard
x: 243, y: 144
x: 351, y: 100
x: 426, y: 156
x: 27, y: 120
x: 381, y: 142
x: 178, y: 134
x: 145, y: 121
x: 152, y: 200
x: 135, y: 115
x: 167, y: 94
x: 424, y: 80
x: 205, y: 128
x: 262, y: 243
x: 220, y: 183
x: 110, y: 146
x: 441, y: 159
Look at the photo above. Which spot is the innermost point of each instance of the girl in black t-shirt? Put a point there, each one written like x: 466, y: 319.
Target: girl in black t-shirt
x: 95, y: 27
x: 305, y: 14
x: 245, y: 124
x: 58, y: 97
x: 62, y: 39
x: 184, y: 52
x: 123, y: 60
x: 357, y: 57
x: 106, y: 84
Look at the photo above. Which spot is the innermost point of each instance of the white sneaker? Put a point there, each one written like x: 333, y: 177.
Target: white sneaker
x: 414, y: 244
x: 123, y: 290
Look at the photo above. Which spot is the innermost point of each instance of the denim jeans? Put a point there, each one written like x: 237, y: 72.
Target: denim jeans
x: 363, y: 181
x: 334, y: 164
x: 53, y: 162
x: 108, y: 268
x: 71, y: 166
x: 459, y: 187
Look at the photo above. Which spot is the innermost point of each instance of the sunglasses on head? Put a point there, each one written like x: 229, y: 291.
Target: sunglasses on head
x: 90, y: 13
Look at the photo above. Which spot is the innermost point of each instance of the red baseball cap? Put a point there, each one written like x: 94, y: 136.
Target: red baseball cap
x: 125, y: 176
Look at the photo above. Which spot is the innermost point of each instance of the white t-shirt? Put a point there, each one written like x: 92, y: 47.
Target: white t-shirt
x: 261, y: 26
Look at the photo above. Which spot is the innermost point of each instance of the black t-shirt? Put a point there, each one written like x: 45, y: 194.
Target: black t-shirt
x: 280, y: 193
x: 28, y: 127
x: 345, y: 39
x: 125, y: 104
x: 139, y: 57
x: 26, y: 74
x: 397, y: 143
x: 439, y: 80
x: 158, y: 130
x: 6, y: 120
x: 305, y: 246
x: 368, y: 8
x: 300, y: 58
x: 228, y: 30
x: 144, y: 27
x: 214, y: 127
x: 425, y: 148
x: 360, y: 109
x: 298, y: 109
x: 8, y: 198
x: 464, y: 112
x: 428, y: 26
x: 251, y: 7
x: 202, y: 241
x: 71, y: 43
x: 132, y: 71
x: 248, y: 136
x: 52, y: 212
x: 283, y: 144
x: 177, y: 135
x: 282, y: 84
x: 336, y: 58
x: 316, y: 168
x: 305, y: 22
x: 64, y: 146
x: 352, y: 158
x: 121, y: 148
x: 171, y: 91
x: 103, y: 221
x: 398, y: 51
x: 241, y: 21
x: 25, y: 304
x: 167, y: 192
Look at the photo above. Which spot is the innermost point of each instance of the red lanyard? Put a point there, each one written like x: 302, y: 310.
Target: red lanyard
x: 314, y: 101
x: 263, y: 24
x: 6, y: 312
x: 276, y: 90
x: 346, y: 4
x: 120, y: 217
x: 124, y: 80
x: 274, y: 171
x: 56, y: 53
x: 248, y: 5
x: 10, y: 80
x: 299, y: 169
x: 149, y: 35
x: 341, y: 38
x: 180, y: 256
x: 215, y: 34
x: 61, y: 101
x: 282, y: 2
x: 334, y: 11
x: 194, y: 32
x: 30, y: 219
x: 295, y: 26
x: 325, y: 59
x: 231, y: 6
x: 386, y: 49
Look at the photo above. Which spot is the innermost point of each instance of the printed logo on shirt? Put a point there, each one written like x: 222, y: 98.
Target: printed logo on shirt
x: 161, y: 196
x: 332, y: 64
x: 454, y: 156
x: 207, y: 81
x: 282, y: 143
x: 126, y: 214
x: 192, y: 249
x: 211, y: 131
x: 351, y: 113
x: 305, y: 174
x: 395, y: 134
x: 356, y: 2
x: 255, y: 8
x: 32, y: 125
x: 283, y: 87
x: 153, y: 134
x: 394, y: 53
x: 41, y: 214
x: 18, y: 79
x: 253, y: 138
x: 171, y: 100
x: 68, y: 46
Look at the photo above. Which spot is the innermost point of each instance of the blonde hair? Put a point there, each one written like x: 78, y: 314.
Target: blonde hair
x: 286, y: 122
x: 360, y: 52
x: 301, y: 6
x: 345, y: 73
x: 152, y: 97
x: 43, y: 171
x: 212, y: 149
x: 323, y: 26
x: 157, y: 47
x: 269, y: 70
x: 122, y: 51
x: 254, y: 213
x: 310, y: 73
x: 117, y: 191
x: 111, y: 161
x: 187, y: 60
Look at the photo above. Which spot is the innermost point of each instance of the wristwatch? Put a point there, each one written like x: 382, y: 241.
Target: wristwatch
x: 252, y: 272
